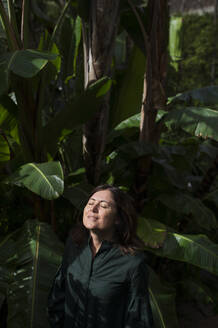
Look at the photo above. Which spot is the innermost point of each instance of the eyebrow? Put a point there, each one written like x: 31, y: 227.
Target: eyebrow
x: 101, y: 200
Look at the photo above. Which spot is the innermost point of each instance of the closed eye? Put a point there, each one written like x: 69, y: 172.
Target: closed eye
x: 104, y: 205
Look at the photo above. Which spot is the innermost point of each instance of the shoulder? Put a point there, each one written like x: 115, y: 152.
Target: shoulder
x: 138, y: 258
x: 138, y: 264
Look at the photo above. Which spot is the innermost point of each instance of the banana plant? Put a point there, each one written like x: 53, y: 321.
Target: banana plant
x: 45, y: 179
x: 28, y: 134
x: 162, y: 302
x: 177, y: 225
x: 29, y: 258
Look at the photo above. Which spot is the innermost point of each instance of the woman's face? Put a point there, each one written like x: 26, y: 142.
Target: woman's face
x: 99, y: 215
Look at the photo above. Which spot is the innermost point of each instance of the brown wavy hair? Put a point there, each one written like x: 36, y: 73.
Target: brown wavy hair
x: 126, y: 229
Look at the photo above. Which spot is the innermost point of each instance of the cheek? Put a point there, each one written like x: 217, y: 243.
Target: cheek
x: 109, y: 218
x: 84, y: 213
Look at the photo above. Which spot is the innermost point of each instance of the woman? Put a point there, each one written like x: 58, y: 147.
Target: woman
x: 103, y: 279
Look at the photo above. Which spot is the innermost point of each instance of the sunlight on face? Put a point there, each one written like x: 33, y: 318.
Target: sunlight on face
x: 100, y: 212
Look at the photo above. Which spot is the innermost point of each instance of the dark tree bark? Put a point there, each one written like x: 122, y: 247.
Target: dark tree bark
x: 98, y: 38
x: 154, y: 97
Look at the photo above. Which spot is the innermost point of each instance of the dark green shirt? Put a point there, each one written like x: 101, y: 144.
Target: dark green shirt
x: 109, y: 291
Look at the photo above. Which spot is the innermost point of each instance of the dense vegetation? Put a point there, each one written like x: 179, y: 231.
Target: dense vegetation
x: 197, y: 62
x: 76, y: 115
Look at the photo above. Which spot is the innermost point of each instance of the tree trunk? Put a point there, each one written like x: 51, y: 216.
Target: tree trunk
x: 154, y: 97
x: 98, y: 39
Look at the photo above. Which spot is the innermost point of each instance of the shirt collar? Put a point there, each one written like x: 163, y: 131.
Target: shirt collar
x: 106, y: 244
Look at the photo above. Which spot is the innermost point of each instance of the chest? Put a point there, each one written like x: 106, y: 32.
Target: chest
x: 103, y: 278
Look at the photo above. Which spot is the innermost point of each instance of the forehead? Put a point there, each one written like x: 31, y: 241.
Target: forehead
x: 103, y: 195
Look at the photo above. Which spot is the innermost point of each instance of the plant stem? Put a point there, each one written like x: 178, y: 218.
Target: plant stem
x: 12, y: 42
x: 144, y: 34
x: 24, y: 23
x: 13, y: 21
x: 57, y: 26
x: 42, y: 85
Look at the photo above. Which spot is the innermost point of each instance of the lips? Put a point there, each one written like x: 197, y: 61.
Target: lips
x: 92, y: 217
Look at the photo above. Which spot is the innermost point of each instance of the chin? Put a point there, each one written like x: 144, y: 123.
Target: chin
x: 90, y: 226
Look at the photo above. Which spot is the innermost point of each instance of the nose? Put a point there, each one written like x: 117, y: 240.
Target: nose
x: 95, y: 207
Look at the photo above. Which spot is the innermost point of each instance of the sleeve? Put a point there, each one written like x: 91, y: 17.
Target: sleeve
x: 138, y: 311
x: 56, y: 300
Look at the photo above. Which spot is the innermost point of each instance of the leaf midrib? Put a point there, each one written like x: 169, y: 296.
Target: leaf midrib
x: 41, y: 173
x: 35, y: 265
x: 193, y: 241
x: 158, y: 309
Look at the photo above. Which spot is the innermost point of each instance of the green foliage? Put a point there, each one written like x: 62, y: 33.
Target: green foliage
x: 175, y: 40
x: 43, y: 95
x: 152, y: 232
x: 15, y: 208
x: 128, y: 92
x: 199, y: 121
x: 31, y: 75
x: 28, y: 259
x: 197, y: 250
x: 162, y: 303
x: 46, y: 179
x: 74, y: 114
x: 199, y: 50
x: 175, y: 224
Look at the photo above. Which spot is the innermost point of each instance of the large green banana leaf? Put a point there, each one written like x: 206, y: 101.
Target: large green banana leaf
x: 7, y: 251
x: 130, y: 123
x: 162, y: 302
x: 70, y: 38
x: 8, y: 114
x: 197, y: 250
x: 186, y: 204
x: 198, y: 121
x: 128, y: 92
x: 67, y: 45
x: 78, y: 35
x: 131, y: 24
x: 44, y: 179
x: 25, y: 63
x: 152, y: 232
x: 4, y: 150
x: 132, y: 150
x: 207, y: 96
x: 198, y: 291
x: 74, y: 114
x: 46, y: 11
x: 78, y: 194
x: 32, y: 261
x: 8, y: 126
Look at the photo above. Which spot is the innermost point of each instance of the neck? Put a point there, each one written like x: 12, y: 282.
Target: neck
x: 97, y: 239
